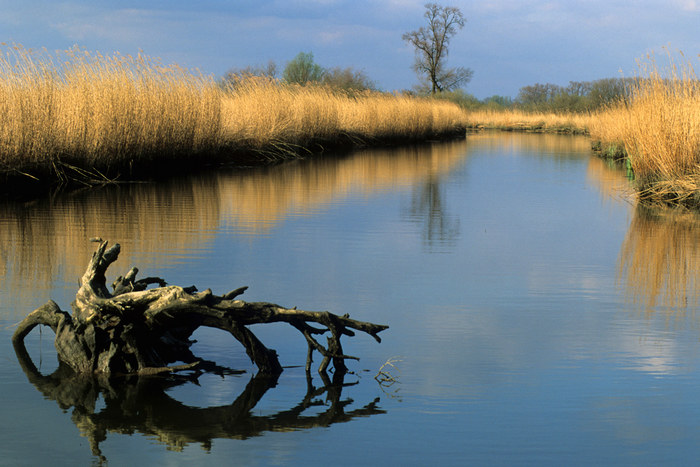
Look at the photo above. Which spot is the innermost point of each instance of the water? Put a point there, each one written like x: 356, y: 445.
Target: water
x: 537, y: 315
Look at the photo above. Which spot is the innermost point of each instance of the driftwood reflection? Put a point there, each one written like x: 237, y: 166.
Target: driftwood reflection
x: 142, y: 405
x: 660, y: 258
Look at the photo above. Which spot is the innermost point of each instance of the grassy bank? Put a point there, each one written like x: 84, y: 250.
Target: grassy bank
x: 79, y: 116
x: 658, y: 132
x: 75, y: 116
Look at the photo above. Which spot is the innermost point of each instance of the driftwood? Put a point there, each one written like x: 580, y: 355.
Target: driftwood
x: 135, y: 330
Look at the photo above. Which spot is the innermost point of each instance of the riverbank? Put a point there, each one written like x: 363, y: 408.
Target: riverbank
x: 657, y: 133
x: 534, y: 122
x: 76, y: 118
x: 82, y: 118
x: 654, y: 132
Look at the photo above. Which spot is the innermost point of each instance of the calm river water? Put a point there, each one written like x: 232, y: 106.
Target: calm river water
x: 537, y: 315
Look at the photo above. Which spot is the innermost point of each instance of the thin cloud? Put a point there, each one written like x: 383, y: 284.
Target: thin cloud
x: 689, y: 5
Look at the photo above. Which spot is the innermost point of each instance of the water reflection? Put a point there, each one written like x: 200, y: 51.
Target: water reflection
x: 514, y: 341
x: 142, y: 405
x: 257, y: 201
x: 44, y: 240
x: 544, y: 145
x: 660, y: 258
x: 428, y: 207
x: 610, y: 178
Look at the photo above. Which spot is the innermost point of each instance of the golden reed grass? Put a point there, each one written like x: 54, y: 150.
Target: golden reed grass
x: 261, y: 112
x: 513, y: 119
x: 659, y: 129
x: 100, y: 112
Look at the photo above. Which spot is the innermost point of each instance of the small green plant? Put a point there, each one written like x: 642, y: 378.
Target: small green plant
x: 302, y: 70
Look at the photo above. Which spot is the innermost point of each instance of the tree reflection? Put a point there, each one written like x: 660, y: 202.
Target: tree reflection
x: 428, y: 206
x: 141, y: 405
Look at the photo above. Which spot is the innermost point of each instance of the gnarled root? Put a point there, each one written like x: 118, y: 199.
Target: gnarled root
x: 135, y: 330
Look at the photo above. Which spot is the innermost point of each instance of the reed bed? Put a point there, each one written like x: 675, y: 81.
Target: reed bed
x: 74, y: 114
x: 265, y: 113
x: 657, y: 130
x: 101, y: 113
x: 517, y: 120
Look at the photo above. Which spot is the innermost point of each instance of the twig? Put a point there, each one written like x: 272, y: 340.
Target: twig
x: 384, y: 377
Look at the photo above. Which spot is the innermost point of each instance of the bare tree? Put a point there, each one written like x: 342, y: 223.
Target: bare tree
x: 431, y: 44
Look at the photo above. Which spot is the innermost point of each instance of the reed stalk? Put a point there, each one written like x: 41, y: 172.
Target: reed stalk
x: 261, y: 112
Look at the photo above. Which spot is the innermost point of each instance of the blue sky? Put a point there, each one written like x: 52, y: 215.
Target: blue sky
x: 508, y: 43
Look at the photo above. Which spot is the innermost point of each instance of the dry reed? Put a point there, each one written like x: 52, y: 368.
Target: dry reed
x: 100, y: 112
x: 658, y: 128
x: 517, y: 120
x: 262, y: 113
x: 90, y: 113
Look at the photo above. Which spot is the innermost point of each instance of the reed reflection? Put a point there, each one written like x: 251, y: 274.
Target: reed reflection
x: 659, y: 261
x: 45, y: 241
x: 660, y: 258
x: 142, y: 405
x: 255, y: 202
x: 544, y: 145
x: 610, y: 178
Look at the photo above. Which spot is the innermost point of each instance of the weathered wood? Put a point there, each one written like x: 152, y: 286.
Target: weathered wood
x: 135, y: 330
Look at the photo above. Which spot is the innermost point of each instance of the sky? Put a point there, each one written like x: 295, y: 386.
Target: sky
x: 507, y: 43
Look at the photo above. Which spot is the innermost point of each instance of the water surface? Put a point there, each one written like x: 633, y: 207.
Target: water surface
x: 539, y: 316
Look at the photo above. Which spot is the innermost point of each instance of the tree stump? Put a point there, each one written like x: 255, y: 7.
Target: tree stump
x: 136, y: 330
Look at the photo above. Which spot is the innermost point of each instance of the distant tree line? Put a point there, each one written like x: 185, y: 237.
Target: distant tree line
x: 577, y: 96
x: 303, y: 70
